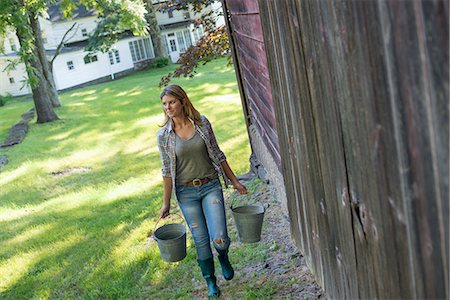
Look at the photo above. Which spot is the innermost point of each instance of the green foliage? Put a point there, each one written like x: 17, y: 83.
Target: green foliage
x: 212, y: 45
x: 4, y: 99
x: 160, y: 62
x: 116, y: 18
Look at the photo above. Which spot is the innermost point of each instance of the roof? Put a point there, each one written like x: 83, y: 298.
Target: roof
x: 55, y: 15
x: 80, y: 45
x: 6, y: 55
x: 175, y: 25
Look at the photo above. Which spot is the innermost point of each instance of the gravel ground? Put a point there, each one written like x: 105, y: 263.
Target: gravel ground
x: 284, y: 267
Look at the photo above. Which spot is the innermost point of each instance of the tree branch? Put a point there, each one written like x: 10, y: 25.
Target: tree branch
x: 61, y: 44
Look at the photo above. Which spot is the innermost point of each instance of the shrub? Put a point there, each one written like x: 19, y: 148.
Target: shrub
x: 4, y: 99
x: 160, y: 62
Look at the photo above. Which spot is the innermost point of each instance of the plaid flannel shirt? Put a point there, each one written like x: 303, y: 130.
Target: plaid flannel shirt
x: 166, y: 144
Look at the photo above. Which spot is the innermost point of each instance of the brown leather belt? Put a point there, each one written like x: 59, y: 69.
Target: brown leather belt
x: 198, y: 182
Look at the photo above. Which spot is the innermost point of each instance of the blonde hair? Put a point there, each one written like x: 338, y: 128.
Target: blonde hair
x: 188, y: 109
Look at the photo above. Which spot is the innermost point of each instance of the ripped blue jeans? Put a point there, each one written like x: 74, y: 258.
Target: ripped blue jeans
x: 204, y: 211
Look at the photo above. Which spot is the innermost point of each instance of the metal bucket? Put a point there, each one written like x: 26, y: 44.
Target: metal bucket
x: 249, y: 220
x: 171, y: 239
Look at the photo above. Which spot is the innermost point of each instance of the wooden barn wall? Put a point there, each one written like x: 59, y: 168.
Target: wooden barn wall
x: 248, y: 39
x: 360, y: 92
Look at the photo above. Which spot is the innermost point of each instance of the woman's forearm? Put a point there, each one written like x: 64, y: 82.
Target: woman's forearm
x: 167, y: 194
x: 228, y: 172
x: 234, y: 181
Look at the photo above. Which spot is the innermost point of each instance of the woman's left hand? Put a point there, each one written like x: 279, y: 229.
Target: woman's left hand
x: 240, y: 188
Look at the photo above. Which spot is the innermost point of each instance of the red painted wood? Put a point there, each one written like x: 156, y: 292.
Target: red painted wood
x: 240, y: 6
x: 250, y: 25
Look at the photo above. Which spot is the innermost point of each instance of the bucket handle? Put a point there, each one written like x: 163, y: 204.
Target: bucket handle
x: 159, y: 219
x: 265, y: 205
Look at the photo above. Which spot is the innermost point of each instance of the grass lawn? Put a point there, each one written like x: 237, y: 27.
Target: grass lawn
x: 10, y: 114
x: 80, y: 195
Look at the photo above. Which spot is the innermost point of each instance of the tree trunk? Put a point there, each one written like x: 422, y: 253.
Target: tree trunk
x: 155, y: 32
x: 48, y: 75
x: 44, y: 109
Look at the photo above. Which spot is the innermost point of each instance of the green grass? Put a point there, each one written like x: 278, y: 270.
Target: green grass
x: 10, y: 114
x: 80, y: 195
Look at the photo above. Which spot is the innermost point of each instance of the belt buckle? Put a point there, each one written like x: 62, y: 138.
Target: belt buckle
x: 196, y: 182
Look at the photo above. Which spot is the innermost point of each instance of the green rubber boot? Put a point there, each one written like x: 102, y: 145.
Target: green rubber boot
x: 227, y: 269
x: 207, y: 267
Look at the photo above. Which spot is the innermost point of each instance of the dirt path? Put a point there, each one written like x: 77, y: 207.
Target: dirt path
x: 283, y: 268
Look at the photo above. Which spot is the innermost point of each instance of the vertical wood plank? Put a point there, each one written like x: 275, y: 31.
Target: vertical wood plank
x: 360, y: 95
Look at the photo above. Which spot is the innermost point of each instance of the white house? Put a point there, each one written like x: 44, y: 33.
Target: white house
x: 74, y: 67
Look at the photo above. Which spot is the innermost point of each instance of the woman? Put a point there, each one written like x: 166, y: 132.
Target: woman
x: 192, y: 163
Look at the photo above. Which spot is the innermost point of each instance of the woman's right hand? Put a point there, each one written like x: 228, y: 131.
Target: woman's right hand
x: 164, y: 211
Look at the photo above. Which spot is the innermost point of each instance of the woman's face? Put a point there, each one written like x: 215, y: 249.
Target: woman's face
x: 172, y: 106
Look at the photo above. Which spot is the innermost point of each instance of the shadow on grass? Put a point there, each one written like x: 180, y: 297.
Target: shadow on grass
x: 69, y: 246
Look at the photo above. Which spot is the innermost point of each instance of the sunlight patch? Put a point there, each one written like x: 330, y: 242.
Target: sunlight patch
x: 61, y: 136
x: 230, y: 98
x: 15, y: 268
x: 28, y: 234
x: 132, y: 92
x: 18, y: 266
x: 234, y: 142
x: 132, y: 248
x: 83, y: 93
x: 90, y: 98
x: 12, y: 175
x: 76, y: 104
x: 138, y: 144
x: 131, y: 187
x: 150, y: 121
x: 103, y: 196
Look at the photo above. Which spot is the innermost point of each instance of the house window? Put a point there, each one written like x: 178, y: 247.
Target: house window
x: 184, y: 40
x: 186, y: 15
x: 181, y: 41
x: 11, y: 80
x: 170, y: 14
x: 90, y: 59
x: 173, y: 45
x: 84, y: 32
x: 117, y: 56
x: 198, y: 33
x: 114, y: 55
x: 70, y: 65
x: 13, y: 45
x: 187, y: 37
x: 111, y: 58
x: 166, y: 45
x: 140, y: 50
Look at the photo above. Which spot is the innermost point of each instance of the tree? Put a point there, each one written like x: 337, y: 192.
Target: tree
x: 212, y: 45
x: 46, y: 71
x: 50, y: 78
x: 116, y: 16
x: 153, y: 29
x: 20, y: 15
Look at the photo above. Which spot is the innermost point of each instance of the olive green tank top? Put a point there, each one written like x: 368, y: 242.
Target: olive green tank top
x: 192, y: 159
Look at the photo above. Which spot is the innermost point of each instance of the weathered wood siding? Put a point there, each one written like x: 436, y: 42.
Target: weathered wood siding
x: 246, y: 31
x: 360, y: 90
